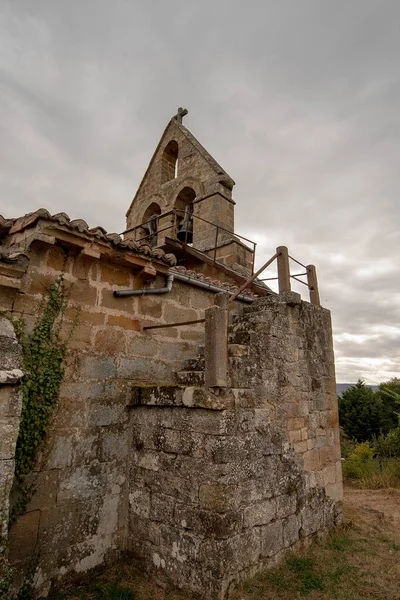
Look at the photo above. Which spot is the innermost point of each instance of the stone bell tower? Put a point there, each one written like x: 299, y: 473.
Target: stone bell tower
x: 186, y: 196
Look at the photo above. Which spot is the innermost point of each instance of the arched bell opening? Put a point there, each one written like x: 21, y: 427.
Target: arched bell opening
x: 169, y: 162
x: 184, y: 207
x: 149, y: 229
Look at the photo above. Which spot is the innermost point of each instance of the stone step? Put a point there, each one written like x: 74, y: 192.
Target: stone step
x: 190, y: 378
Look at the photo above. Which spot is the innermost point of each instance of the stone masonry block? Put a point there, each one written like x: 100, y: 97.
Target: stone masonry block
x: 114, y: 275
x: 96, y: 367
x: 83, y: 293
x: 291, y: 527
x: 81, y: 483
x: 260, y: 514
x: 207, y: 523
x: 23, y: 536
x: 110, y: 341
x: 10, y: 401
x: 9, y: 432
x: 106, y: 413
x: 139, y: 503
x: 286, y: 505
x: 85, y: 316
x: 162, y: 508
x: 217, y: 497
x: 271, y: 539
x: 127, y: 323
x: 145, y: 370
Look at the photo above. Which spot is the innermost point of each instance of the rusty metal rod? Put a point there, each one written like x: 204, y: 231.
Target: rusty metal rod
x: 296, y: 261
x: 299, y: 280
x: 216, y: 244
x: 252, y: 278
x: 174, y: 324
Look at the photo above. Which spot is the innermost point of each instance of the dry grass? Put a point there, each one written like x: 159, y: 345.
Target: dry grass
x: 372, y: 474
x: 361, y: 561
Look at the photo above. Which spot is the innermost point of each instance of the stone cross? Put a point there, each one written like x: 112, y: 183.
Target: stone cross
x: 182, y: 112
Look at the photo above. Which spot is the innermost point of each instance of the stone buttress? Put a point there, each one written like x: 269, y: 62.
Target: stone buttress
x: 224, y: 481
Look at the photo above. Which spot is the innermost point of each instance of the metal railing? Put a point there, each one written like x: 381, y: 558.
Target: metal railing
x: 284, y: 276
x: 177, y: 218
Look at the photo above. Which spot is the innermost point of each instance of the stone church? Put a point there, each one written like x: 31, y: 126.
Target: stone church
x: 196, y: 432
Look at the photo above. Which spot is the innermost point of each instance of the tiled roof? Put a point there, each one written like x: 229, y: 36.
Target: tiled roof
x: 10, y: 226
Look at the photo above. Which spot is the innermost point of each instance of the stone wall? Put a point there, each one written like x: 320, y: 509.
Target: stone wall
x: 202, y: 486
x: 10, y: 411
x: 224, y: 481
x: 77, y: 518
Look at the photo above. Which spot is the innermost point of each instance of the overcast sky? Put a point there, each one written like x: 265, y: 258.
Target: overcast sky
x: 297, y: 99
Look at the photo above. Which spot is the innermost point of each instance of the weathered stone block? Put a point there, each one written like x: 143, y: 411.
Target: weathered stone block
x: 146, y: 370
x: 106, y: 413
x: 83, y: 293
x: 110, y: 341
x: 260, y: 514
x: 291, y: 527
x: 23, y: 536
x: 127, y: 323
x: 162, y: 508
x: 286, y: 505
x: 139, y: 503
x: 46, y: 488
x: 96, y: 367
x: 114, y: 275
x: 217, y: 497
x: 207, y: 523
x: 81, y: 483
x: 271, y: 539
x: 10, y: 401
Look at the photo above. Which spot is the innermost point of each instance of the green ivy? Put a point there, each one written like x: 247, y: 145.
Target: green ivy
x: 43, y: 366
x: 6, y: 570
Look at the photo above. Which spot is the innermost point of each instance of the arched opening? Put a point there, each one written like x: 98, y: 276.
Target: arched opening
x: 169, y: 162
x: 184, y: 207
x: 150, y: 224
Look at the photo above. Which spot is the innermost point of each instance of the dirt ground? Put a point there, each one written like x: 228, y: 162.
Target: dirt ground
x: 368, y: 505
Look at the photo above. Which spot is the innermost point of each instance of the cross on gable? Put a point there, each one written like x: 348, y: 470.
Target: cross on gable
x: 182, y: 112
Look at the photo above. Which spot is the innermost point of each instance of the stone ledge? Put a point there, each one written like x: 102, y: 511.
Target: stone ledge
x: 10, y: 377
x: 181, y: 397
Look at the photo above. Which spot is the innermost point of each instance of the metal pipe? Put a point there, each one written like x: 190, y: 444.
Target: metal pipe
x: 146, y: 291
x: 205, y: 285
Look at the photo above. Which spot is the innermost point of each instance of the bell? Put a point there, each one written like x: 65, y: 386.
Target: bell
x: 185, y: 233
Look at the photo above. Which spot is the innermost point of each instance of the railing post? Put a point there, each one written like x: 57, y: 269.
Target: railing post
x: 216, y: 244
x: 313, y: 284
x: 283, y: 269
x: 174, y: 225
x: 216, y: 343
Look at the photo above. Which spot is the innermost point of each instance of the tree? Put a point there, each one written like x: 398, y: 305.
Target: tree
x: 361, y: 412
x: 389, y: 392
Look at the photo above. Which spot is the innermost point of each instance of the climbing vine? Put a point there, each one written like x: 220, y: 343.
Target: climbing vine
x: 43, y: 365
x: 6, y: 571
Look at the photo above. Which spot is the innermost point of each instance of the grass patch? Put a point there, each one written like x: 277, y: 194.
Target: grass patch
x: 97, y: 591
x: 372, y: 474
x: 358, y: 562
x: 307, y: 578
